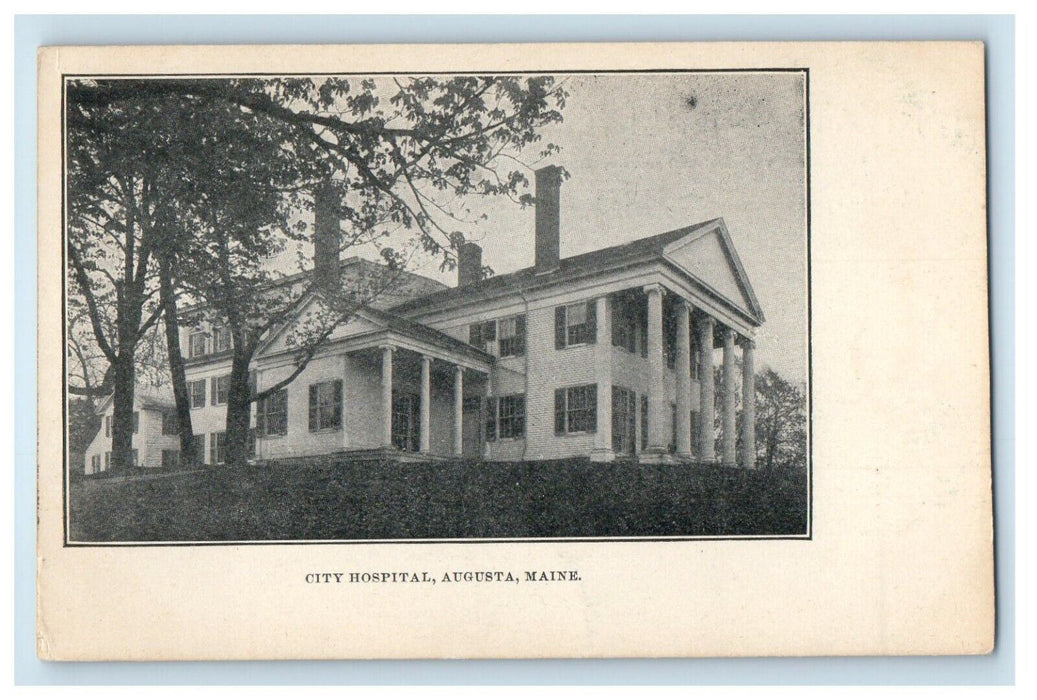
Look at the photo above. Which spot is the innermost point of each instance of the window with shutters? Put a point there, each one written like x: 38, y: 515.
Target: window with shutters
x: 107, y: 426
x: 512, y: 332
x: 480, y: 334
x: 218, y: 447
x: 170, y: 424
x: 197, y: 389
x: 326, y: 405
x: 107, y: 460
x: 576, y: 409
x: 272, y: 414
x: 221, y: 339
x: 575, y: 324
x: 511, y: 416
x: 220, y: 389
x: 136, y: 422
x: 196, y: 344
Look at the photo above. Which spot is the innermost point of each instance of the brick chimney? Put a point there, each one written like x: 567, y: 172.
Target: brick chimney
x: 326, y: 238
x: 469, y: 263
x: 548, y: 183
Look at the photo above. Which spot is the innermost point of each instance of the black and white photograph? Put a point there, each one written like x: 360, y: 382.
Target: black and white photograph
x: 395, y: 307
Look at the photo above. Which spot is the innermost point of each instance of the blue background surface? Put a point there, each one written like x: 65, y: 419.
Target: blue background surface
x: 998, y: 33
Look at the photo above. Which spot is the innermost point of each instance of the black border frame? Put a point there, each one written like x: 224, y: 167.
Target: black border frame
x: 66, y: 515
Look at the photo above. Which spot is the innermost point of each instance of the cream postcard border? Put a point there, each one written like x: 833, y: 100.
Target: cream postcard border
x: 901, y: 559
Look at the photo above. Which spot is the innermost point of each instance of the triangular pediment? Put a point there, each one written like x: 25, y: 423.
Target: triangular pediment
x: 709, y: 256
x: 313, y: 312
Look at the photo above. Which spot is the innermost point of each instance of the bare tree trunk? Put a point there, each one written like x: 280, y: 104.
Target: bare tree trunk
x: 239, y: 409
x: 188, y: 456
x: 122, y: 415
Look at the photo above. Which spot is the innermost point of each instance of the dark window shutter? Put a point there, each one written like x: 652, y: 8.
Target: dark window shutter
x: 617, y: 321
x: 261, y: 417
x: 212, y: 387
x: 475, y: 335
x: 520, y: 335
x: 592, y: 399
x: 592, y: 321
x: 491, y: 419
x: 338, y: 403
x: 559, y: 327
x: 559, y: 411
x: 642, y: 330
x: 489, y: 331
x: 313, y: 406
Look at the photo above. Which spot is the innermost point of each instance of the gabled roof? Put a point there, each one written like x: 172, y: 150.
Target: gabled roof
x: 655, y: 247
x: 387, y: 321
x: 144, y: 398
x: 405, y: 284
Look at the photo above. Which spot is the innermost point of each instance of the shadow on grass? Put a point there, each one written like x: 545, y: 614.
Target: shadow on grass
x: 354, y: 500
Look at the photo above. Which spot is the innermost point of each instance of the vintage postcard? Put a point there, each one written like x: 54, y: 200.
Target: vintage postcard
x: 513, y: 351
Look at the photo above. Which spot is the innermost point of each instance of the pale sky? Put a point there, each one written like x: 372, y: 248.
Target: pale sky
x: 642, y: 161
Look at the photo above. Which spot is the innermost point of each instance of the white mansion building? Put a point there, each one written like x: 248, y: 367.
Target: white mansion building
x: 608, y: 354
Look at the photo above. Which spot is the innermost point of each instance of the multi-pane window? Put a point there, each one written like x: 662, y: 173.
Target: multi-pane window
x: 272, y: 416
x: 576, y: 409
x: 512, y: 332
x: 197, y: 389
x: 404, y: 421
x: 506, y: 417
x: 672, y: 447
x: 220, y: 389
x: 107, y: 426
x: 95, y: 463
x: 575, y: 324
x: 670, y: 339
x: 221, y: 339
x: 196, y: 343
x: 170, y: 424
x: 644, y: 421
x: 107, y: 460
x: 479, y: 334
x: 217, y: 448
x: 624, y: 417
x: 170, y: 459
x: 326, y: 405
x: 136, y: 422
x: 624, y: 325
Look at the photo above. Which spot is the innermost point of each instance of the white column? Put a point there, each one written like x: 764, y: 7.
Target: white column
x: 458, y: 410
x: 603, y: 373
x: 387, y: 353
x: 683, y: 371
x: 345, y: 385
x: 424, y: 405
x: 706, y: 451
x: 748, y: 406
x: 729, y: 438
x: 658, y: 406
x: 484, y: 417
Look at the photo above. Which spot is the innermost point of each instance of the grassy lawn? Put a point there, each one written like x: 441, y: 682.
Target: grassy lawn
x: 386, y: 500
